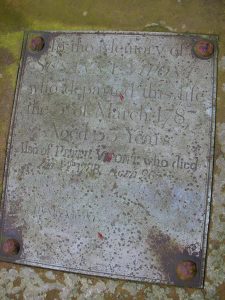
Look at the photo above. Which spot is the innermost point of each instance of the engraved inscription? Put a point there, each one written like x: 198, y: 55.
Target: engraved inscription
x: 111, y: 141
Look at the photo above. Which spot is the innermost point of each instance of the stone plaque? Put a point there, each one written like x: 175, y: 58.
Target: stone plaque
x: 109, y: 162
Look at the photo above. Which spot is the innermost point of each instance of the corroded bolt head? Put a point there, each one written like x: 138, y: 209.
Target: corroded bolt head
x: 203, y: 49
x: 11, y: 247
x: 186, y: 270
x: 37, y: 43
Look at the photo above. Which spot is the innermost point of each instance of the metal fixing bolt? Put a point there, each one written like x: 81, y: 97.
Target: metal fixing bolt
x: 203, y: 49
x: 186, y: 270
x: 11, y: 247
x: 37, y: 43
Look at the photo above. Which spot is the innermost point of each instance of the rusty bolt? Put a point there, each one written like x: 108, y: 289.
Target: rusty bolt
x: 11, y: 247
x: 37, y: 43
x: 203, y: 49
x: 186, y: 270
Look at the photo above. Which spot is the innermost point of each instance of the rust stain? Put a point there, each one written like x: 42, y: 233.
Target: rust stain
x: 108, y: 296
x: 173, y: 294
x: 121, y: 293
x: 101, y: 236
x: 53, y: 294
x: 121, y: 97
x: 221, y: 291
x: 17, y: 282
x: 8, y: 266
x: 169, y: 253
x: 108, y: 157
